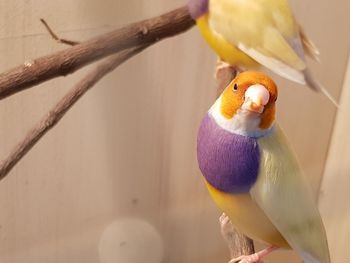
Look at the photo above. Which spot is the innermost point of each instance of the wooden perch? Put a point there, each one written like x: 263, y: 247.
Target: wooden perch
x: 61, y: 63
x: 60, y: 109
x: 237, y: 243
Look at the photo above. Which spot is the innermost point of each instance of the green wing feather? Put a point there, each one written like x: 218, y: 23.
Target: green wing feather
x: 283, y: 194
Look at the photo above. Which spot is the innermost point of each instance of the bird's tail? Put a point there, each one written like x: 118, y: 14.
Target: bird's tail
x: 318, y: 87
x: 309, y: 46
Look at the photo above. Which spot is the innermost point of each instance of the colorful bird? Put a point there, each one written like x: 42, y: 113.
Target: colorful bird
x: 253, y: 175
x: 251, y: 33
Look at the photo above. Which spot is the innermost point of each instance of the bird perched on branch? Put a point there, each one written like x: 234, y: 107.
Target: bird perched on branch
x: 251, y: 33
x: 253, y: 175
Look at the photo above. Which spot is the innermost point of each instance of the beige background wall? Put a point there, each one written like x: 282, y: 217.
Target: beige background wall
x: 127, y: 149
x: 334, y: 198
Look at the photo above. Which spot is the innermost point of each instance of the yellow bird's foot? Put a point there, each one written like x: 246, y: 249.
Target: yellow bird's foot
x: 254, y: 258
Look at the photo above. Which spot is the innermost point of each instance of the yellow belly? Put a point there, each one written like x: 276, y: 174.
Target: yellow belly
x: 225, y: 50
x: 247, y: 217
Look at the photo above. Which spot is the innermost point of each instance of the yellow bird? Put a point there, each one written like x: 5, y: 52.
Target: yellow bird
x: 253, y: 175
x: 250, y: 33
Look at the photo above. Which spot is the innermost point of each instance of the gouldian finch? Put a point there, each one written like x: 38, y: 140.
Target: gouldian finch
x: 253, y: 175
x: 249, y: 33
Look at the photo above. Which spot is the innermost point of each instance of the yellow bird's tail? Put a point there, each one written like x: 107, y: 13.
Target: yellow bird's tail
x: 318, y: 87
x: 309, y: 46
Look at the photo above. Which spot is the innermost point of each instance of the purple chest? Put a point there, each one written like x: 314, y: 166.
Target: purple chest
x: 198, y: 8
x: 229, y: 162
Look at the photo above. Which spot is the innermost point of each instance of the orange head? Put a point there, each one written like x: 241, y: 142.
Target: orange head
x: 253, y: 92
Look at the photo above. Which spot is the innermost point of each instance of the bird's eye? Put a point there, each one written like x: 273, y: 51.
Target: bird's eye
x: 235, y: 87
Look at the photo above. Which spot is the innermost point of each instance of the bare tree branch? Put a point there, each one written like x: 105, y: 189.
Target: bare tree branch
x: 61, y: 108
x: 61, y: 63
x: 128, y: 41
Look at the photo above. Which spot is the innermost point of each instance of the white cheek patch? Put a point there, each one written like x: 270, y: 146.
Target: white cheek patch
x: 244, y: 122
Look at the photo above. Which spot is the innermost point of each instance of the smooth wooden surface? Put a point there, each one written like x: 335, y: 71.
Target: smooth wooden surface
x: 334, y: 198
x: 127, y: 149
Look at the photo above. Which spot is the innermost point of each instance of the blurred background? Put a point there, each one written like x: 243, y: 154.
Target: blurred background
x: 117, y: 179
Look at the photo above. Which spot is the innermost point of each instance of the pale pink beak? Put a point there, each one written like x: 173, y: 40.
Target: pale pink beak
x: 256, y: 97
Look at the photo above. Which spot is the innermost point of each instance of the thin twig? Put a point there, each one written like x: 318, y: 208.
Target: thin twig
x: 237, y: 243
x: 61, y: 108
x: 55, y: 37
x: 61, y: 63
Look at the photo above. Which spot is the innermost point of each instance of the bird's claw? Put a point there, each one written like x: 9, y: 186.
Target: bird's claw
x: 254, y: 258
x: 226, y: 226
x: 223, y: 68
x: 247, y: 259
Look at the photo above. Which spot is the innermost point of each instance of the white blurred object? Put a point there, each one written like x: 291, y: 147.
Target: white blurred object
x: 130, y: 240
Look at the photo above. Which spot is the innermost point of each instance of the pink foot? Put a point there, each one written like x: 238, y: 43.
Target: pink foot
x: 226, y: 226
x: 254, y: 258
x: 224, y: 74
x: 223, y: 69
